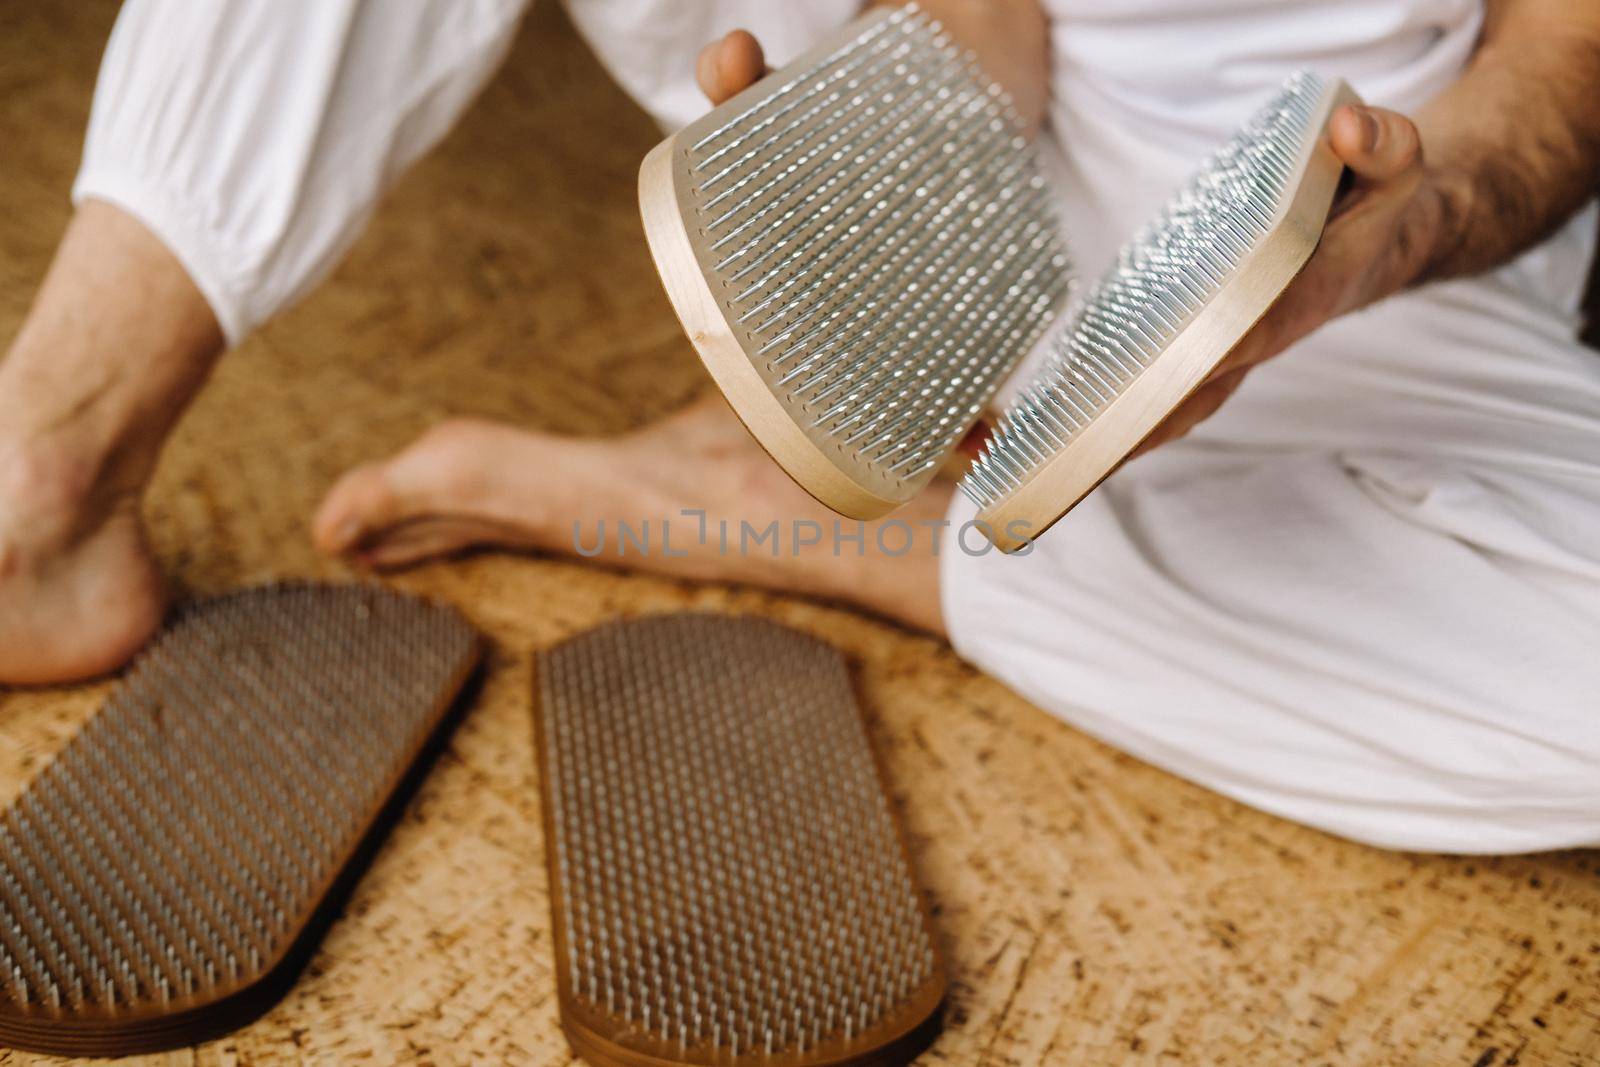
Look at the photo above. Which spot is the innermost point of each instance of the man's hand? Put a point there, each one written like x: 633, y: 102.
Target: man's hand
x: 1374, y: 244
x: 1377, y: 241
x: 1512, y: 151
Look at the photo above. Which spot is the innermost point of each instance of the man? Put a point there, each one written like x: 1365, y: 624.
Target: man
x: 1364, y: 596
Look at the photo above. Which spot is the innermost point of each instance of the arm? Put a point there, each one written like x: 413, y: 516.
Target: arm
x: 1513, y: 148
x: 1488, y: 169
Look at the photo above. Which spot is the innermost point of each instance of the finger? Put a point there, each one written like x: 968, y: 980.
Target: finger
x: 729, y: 66
x: 1375, y: 143
x: 705, y: 72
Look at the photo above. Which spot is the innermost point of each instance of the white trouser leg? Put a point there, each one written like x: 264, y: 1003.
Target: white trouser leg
x: 1397, y: 650
x: 254, y: 139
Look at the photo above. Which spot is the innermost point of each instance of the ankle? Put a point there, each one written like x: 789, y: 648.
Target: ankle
x: 53, y: 490
x: 74, y: 427
x: 117, y: 342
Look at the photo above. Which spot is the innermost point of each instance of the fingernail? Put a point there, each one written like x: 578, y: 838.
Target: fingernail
x: 1369, y: 129
x: 346, y: 534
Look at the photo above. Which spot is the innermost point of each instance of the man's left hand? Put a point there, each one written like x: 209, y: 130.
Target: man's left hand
x: 1378, y: 239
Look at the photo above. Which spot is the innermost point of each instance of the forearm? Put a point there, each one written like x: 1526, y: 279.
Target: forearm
x: 1512, y: 150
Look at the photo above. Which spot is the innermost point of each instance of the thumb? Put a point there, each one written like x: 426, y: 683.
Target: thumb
x: 728, y: 66
x: 1377, y: 144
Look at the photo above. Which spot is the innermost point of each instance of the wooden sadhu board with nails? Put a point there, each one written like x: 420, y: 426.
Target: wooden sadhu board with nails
x: 164, y: 879
x: 729, y: 883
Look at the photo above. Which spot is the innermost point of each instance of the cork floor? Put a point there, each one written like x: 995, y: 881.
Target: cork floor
x: 1095, y: 911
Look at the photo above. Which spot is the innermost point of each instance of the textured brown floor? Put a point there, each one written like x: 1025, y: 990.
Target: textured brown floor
x: 1096, y: 911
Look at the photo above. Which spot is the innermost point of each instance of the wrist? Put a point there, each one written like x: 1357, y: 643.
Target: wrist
x: 1437, y: 226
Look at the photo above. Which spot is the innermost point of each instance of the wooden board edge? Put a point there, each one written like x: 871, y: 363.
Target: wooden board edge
x: 724, y: 359
x: 1257, y: 282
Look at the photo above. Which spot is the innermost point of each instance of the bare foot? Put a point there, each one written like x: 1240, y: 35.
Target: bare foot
x: 699, y: 485
x: 79, y: 591
x: 738, y: 517
x: 115, y: 345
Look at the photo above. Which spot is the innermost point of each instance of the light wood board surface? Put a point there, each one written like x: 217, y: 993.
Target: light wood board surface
x: 1094, y: 911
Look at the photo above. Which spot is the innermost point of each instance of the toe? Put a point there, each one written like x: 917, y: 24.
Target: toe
x: 359, y: 503
x: 429, y: 538
x: 403, y: 547
x: 433, y: 473
x: 462, y: 469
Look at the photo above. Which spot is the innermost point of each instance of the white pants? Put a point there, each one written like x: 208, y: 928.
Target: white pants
x: 255, y: 138
x: 1366, y: 596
